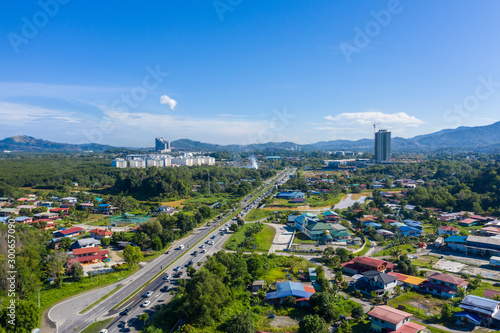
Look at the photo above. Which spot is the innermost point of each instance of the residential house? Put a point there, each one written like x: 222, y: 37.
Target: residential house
x: 301, y: 292
x: 105, y: 209
x: 409, y: 231
x: 452, y: 231
x: 88, y: 255
x: 72, y: 200
x: 71, y: 232
x: 100, y: 233
x: 59, y: 210
x: 383, y: 318
x: 48, y: 216
x: 86, y: 206
x: 479, y: 311
x: 385, y: 233
x: 489, y: 231
x: 166, y: 210
x: 373, y: 225
x: 482, y: 219
x: 468, y: 222
x: 408, y: 281
x: 86, y: 242
x: 258, y: 285
x: 363, y: 264
x: 9, y: 211
x: 378, y: 282
x: 443, y: 285
x: 413, y: 224
x: 24, y: 219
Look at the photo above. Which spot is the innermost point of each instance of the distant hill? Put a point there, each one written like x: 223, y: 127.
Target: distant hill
x: 29, y: 144
x: 480, y: 138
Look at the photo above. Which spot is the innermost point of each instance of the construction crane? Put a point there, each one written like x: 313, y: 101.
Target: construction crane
x: 374, y: 126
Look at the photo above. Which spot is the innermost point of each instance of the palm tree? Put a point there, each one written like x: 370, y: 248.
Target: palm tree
x: 395, y: 252
x: 461, y: 293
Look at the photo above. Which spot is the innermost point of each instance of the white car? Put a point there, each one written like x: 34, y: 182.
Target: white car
x: 148, y: 293
x: 211, y: 243
x: 203, y: 251
x: 145, y: 304
x: 104, y: 331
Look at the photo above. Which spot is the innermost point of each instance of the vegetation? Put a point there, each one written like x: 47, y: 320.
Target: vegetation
x: 250, y: 235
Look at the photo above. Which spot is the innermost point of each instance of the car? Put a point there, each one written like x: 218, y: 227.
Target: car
x: 202, y: 246
x: 145, y: 304
x: 148, y: 293
x: 164, y: 289
x: 167, y: 252
x: 181, y: 247
x: 195, y: 253
x: 167, y: 277
x: 127, y: 311
x: 178, y: 268
x: 103, y: 331
x: 132, y: 321
x: 214, y: 237
x: 496, y: 284
x: 189, y: 263
x: 203, y: 251
x: 211, y: 243
x: 178, y: 274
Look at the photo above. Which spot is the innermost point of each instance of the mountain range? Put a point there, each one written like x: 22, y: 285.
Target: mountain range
x: 462, y: 138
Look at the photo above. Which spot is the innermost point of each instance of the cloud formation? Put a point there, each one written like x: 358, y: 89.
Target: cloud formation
x: 164, y: 99
x: 369, y: 117
x: 23, y: 113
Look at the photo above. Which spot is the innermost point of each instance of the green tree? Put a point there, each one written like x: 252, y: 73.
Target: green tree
x: 66, y: 243
x: 156, y: 244
x: 76, y: 271
x: 445, y: 311
x: 144, y: 317
x: 242, y: 323
x: 57, y: 261
x: 132, y: 255
x: 357, y: 312
x: 105, y: 241
x: 312, y: 324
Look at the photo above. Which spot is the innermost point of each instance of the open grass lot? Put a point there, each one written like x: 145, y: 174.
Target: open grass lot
x: 316, y: 201
x: 292, y: 264
x: 419, y: 304
x: 264, y: 238
x: 176, y: 203
x: 258, y: 214
x: 425, y: 261
x: 97, y: 326
x: 405, y: 249
x: 101, y: 223
x: 301, y: 238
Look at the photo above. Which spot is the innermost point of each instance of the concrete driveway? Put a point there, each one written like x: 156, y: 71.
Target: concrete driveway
x: 282, y: 238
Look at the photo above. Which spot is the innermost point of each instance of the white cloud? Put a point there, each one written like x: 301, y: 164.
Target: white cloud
x: 370, y: 117
x: 22, y: 113
x: 224, y: 130
x: 164, y: 99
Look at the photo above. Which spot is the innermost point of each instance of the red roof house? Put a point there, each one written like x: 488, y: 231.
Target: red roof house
x: 364, y: 264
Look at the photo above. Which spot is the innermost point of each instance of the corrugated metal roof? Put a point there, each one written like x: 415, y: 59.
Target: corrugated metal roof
x: 479, y: 304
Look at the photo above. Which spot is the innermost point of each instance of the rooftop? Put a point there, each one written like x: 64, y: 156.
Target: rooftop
x: 386, y: 313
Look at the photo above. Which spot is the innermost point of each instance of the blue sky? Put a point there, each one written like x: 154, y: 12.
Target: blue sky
x: 241, y: 71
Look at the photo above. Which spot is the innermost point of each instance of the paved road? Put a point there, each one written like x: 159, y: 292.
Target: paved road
x: 282, y: 238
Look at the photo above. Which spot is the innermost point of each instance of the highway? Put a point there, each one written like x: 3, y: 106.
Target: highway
x: 66, y: 313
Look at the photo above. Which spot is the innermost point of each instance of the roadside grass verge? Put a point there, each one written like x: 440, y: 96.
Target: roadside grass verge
x: 258, y: 214
x: 100, y: 299
x: 51, y: 295
x: 97, y: 326
x: 366, y: 247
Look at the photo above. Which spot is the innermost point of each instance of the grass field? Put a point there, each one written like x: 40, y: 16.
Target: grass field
x: 264, y: 238
x: 405, y: 249
x: 258, y: 214
x: 177, y: 203
x: 362, y: 326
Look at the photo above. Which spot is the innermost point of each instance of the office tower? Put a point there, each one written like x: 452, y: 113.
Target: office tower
x: 382, y: 146
x: 162, y: 145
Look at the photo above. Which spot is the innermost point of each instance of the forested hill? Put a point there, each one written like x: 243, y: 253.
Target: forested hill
x: 480, y: 137
x: 28, y: 143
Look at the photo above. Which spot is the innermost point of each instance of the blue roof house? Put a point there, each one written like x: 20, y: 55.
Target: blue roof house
x: 409, y: 231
